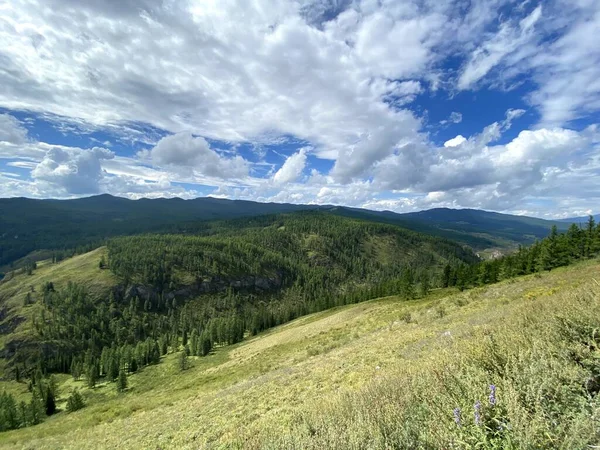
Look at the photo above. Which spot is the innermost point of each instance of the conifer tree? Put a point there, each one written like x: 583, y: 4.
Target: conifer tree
x: 122, y: 381
x: 49, y: 393
x: 183, y: 361
x: 446, y: 276
x: 92, y: 375
x: 407, y: 289
x: 425, y: 286
x: 75, y: 401
x: 36, y: 409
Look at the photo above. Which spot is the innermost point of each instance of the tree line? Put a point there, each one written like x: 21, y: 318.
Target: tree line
x: 556, y: 250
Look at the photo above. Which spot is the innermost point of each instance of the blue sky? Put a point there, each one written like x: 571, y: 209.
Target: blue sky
x: 399, y: 105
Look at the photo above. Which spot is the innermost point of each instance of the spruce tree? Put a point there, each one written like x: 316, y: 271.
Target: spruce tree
x: 183, y: 361
x: 122, y: 381
x: 92, y: 375
x: 425, y: 286
x: 75, y: 401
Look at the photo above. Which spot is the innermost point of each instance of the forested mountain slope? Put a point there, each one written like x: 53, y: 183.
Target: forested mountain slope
x: 147, y: 293
x: 28, y: 225
x: 119, y: 310
x: 479, y: 229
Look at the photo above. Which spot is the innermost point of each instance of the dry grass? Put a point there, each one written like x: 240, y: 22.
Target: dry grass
x: 350, y: 377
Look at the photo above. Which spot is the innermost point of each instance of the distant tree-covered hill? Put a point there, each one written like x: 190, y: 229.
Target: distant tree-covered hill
x: 28, y: 225
x: 479, y: 229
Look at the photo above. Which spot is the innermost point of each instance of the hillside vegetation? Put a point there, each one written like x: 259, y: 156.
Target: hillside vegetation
x: 387, y: 373
x: 127, y: 305
x: 62, y: 226
x: 117, y: 312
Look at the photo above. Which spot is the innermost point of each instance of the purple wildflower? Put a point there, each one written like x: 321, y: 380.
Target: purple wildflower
x: 477, y: 413
x: 493, y: 394
x: 457, y: 416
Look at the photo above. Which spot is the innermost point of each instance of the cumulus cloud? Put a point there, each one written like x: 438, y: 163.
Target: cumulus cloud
x: 292, y: 168
x: 187, y: 153
x: 72, y: 170
x: 567, y: 69
x: 342, y: 76
x: 336, y: 81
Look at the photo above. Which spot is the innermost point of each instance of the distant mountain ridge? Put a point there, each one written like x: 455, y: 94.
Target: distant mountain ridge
x: 28, y: 224
x: 578, y: 220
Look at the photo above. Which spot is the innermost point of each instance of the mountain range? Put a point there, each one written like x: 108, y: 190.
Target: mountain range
x: 28, y: 225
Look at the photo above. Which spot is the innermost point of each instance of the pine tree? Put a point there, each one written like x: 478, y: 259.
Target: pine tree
x: 49, y: 391
x: 425, y: 286
x: 446, y: 276
x: 407, y: 289
x: 92, y: 375
x: 122, y: 381
x: 75, y: 401
x: 590, y: 237
x: 206, y: 343
x: 183, y: 361
x: 36, y: 409
x: 194, y: 342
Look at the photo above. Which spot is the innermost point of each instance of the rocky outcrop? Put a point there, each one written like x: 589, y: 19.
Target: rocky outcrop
x: 205, y: 286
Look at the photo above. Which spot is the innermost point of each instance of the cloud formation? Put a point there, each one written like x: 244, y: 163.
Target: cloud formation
x: 188, y: 154
x: 184, y: 86
x: 72, y: 170
x: 292, y: 168
x: 11, y: 130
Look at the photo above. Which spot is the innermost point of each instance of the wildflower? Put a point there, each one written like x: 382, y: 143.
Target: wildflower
x: 457, y: 416
x: 492, y: 394
x: 477, y: 413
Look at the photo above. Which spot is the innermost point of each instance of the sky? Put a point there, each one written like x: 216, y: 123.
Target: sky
x: 388, y: 105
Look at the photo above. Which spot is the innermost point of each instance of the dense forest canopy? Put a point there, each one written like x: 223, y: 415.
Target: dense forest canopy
x: 28, y: 225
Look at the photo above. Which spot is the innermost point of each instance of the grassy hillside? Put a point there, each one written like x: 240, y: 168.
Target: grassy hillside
x: 17, y: 333
x: 381, y: 374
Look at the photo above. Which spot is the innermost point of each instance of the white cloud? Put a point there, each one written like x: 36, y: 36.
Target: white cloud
x: 455, y: 141
x: 455, y: 117
x: 186, y: 153
x: 511, y: 39
x: 11, y: 130
x: 333, y: 85
x: 567, y: 68
x: 340, y: 75
x: 72, y: 171
x: 292, y: 168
